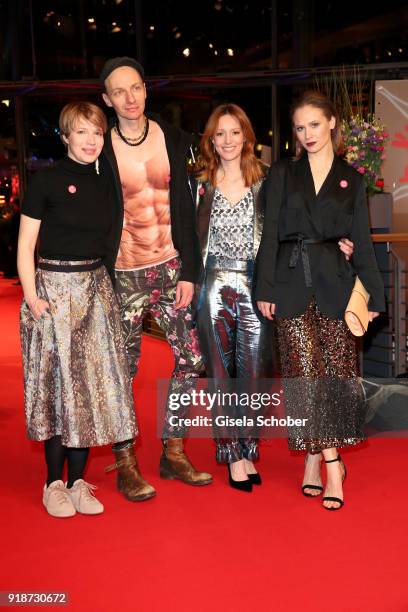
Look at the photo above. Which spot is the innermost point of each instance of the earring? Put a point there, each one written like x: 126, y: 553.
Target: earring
x: 97, y: 166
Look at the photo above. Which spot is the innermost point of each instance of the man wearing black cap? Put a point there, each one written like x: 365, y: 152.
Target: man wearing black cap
x: 154, y: 252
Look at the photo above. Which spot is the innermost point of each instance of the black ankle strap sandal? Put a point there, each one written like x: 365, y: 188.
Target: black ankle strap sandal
x: 335, y: 499
x: 311, y: 486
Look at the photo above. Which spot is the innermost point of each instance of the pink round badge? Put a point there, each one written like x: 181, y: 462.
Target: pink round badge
x: 72, y: 189
x: 343, y: 184
x: 201, y: 191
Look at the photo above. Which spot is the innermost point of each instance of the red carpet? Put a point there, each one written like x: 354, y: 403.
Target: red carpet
x: 199, y: 549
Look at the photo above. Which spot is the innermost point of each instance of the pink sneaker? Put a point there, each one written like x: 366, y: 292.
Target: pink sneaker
x: 83, y: 499
x: 56, y: 501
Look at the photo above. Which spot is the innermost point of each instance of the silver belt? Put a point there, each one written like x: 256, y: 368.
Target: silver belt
x: 215, y: 262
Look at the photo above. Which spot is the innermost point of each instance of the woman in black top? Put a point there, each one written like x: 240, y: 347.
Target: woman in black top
x: 76, y: 382
x: 305, y: 283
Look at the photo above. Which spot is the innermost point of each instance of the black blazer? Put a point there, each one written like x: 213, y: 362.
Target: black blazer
x: 292, y: 212
x: 182, y: 210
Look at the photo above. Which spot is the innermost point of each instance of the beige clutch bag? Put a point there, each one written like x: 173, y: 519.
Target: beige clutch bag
x: 356, y: 315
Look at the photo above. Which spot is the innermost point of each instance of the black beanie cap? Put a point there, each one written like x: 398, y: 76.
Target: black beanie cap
x: 118, y: 62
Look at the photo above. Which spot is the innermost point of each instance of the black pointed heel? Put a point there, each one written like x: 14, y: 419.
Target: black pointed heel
x: 255, y: 479
x: 336, y: 499
x: 240, y: 485
x: 310, y: 486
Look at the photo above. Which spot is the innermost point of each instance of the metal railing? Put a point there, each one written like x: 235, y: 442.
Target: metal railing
x: 388, y: 347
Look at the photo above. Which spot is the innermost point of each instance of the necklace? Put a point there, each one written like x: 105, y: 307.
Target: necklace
x: 133, y: 142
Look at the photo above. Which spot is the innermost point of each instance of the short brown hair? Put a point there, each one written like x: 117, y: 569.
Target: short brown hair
x: 251, y: 166
x: 318, y: 100
x: 74, y: 111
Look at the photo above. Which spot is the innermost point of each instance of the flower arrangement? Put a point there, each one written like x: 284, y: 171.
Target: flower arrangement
x: 364, y: 145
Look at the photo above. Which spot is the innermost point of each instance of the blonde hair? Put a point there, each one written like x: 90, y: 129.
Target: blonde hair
x: 209, y: 161
x: 74, y: 111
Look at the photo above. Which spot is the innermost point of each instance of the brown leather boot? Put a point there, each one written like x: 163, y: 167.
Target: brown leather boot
x: 174, y: 464
x: 130, y: 481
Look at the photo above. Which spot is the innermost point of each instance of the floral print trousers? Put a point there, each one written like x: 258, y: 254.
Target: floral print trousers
x: 153, y: 290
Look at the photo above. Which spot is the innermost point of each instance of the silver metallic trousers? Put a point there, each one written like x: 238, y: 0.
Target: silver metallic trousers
x: 233, y: 340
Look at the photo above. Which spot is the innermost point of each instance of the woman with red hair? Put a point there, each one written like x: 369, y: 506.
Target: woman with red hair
x: 234, y: 341
x: 77, y: 387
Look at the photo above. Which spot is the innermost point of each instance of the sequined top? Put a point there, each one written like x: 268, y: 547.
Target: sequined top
x: 232, y: 227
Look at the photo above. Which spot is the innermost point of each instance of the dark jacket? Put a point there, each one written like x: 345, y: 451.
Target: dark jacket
x: 292, y: 212
x: 182, y: 211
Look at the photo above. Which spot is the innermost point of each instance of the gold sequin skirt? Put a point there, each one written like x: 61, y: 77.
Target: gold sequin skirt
x: 76, y: 379
x: 320, y: 369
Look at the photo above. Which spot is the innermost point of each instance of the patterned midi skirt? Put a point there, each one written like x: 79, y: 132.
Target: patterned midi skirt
x: 76, y: 379
x: 320, y: 381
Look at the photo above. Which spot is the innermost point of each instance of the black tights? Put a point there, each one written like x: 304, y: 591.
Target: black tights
x: 122, y: 445
x: 55, y: 455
